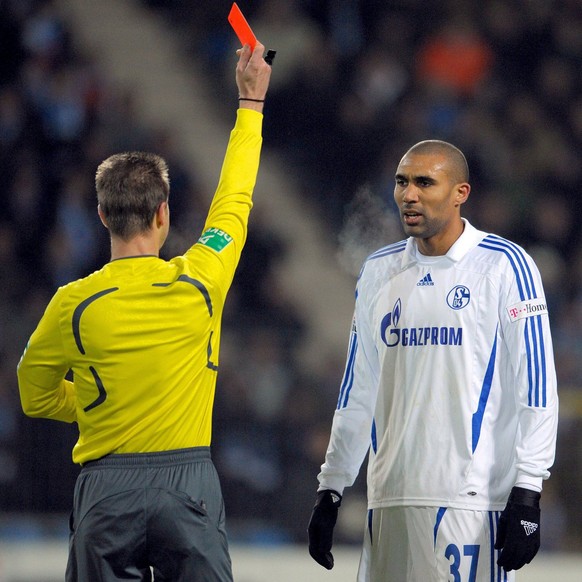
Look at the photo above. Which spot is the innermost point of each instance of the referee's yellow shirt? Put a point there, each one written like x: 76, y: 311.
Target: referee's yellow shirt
x: 142, y: 335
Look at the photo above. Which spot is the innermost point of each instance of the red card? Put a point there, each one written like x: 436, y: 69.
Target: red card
x: 241, y: 26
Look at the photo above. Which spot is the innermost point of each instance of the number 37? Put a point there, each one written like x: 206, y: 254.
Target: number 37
x: 453, y: 552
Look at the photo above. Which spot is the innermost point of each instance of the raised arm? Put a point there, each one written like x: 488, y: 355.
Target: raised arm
x: 252, y: 77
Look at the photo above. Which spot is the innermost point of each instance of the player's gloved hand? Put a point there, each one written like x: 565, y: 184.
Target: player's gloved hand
x: 321, y: 524
x: 518, y: 533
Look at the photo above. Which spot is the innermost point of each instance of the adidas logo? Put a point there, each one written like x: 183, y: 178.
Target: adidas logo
x: 529, y: 527
x: 426, y: 281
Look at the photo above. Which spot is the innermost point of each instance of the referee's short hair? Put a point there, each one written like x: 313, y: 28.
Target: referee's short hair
x: 130, y: 188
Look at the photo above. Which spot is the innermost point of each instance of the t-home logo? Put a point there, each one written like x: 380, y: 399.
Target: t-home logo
x: 527, y: 308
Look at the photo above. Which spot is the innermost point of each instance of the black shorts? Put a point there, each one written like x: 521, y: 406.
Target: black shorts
x: 135, y: 514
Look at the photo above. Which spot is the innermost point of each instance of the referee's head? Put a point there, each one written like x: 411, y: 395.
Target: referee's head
x: 131, y: 187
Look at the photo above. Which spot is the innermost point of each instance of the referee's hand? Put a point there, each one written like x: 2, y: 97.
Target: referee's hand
x: 321, y: 524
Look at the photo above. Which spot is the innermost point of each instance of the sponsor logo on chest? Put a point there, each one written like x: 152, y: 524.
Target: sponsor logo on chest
x: 393, y: 334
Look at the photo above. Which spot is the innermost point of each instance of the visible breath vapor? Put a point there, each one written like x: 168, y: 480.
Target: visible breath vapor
x: 368, y: 226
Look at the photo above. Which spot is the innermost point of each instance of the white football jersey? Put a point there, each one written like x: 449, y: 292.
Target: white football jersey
x: 450, y: 378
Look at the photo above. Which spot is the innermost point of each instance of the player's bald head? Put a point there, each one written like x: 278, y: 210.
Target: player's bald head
x: 458, y: 167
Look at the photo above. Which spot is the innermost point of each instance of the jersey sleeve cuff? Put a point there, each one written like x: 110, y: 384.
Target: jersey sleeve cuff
x: 528, y: 482
x: 249, y: 120
x: 336, y: 485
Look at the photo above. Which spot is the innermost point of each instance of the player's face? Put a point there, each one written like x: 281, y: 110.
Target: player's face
x: 429, y: 199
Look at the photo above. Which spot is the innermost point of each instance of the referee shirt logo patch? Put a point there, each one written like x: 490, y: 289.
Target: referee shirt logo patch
x: 215, y: 239
x: 527, y: 308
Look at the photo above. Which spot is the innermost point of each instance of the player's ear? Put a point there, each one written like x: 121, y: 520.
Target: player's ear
x: 462, y: 192
x: 102, y: 216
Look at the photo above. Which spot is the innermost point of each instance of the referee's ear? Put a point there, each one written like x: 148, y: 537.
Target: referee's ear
x: 162, y: 216
x: 102, y: 216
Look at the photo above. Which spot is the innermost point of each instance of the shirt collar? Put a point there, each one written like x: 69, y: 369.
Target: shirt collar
x: 468, y: 240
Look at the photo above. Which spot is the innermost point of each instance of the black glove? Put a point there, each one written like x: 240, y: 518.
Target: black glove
x: 518, y: 533
x: 321, y: 524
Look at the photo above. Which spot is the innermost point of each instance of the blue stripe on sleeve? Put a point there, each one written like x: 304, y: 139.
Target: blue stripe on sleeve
x: 389, y: 250
x: 518, y: 259
x: 517, y: 269
x: 348, y: 379
x: 533, y: 331
x: 534, y: 399
x: 529, y: 366
x: 543, y: 360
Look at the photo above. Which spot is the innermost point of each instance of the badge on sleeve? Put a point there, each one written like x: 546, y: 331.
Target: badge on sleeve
x: 527, y: 308
x: 215, y: 239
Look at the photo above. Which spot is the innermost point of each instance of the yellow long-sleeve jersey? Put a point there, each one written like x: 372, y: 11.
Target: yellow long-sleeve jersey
x: 142, y: 335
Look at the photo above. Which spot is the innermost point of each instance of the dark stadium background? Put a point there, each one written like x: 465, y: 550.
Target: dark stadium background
x: 354, y: 84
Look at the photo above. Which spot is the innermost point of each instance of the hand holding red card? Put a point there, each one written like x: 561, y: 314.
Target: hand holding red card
x: 244, y: 32
x: 241, y: 26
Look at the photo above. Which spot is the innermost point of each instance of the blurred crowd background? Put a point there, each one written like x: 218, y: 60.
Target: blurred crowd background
x: 357, y: 82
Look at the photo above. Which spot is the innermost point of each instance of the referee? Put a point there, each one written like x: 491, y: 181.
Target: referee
x: 141, y: 337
